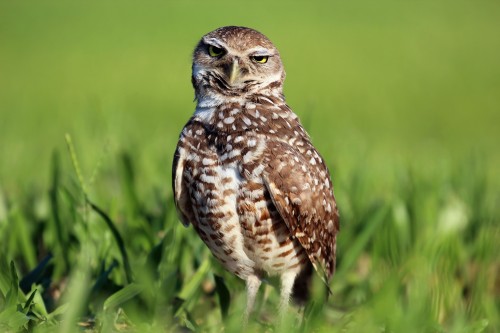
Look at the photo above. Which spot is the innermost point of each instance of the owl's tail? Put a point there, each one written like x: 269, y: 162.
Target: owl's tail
x: 302, y: 286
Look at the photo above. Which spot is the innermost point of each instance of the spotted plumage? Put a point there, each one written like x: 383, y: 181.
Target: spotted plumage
x: 245, y: 172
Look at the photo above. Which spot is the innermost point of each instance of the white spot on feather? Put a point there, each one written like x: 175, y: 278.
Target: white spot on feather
x: 207, y: 179
x: 234, y: 153
x: 207, y: 161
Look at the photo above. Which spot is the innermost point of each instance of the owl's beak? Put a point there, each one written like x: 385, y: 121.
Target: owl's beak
x: 234, y: 72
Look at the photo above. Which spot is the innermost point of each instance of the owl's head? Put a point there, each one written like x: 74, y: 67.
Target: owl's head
x: 236, y: 62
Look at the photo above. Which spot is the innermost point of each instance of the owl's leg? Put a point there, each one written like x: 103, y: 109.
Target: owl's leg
x: 287, y: 280
x: 253, y: 283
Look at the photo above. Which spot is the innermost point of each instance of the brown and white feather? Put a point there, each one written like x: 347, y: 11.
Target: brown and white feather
x: 245, y: 172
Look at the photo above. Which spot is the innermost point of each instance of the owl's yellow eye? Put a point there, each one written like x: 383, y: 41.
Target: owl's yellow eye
x: 260, y: 59
x: 215, y: 51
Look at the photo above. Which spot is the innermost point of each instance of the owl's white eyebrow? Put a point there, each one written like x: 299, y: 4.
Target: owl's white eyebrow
x: 260, y: 52
x: 215, y: 42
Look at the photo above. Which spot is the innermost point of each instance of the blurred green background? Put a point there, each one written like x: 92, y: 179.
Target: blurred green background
x: 402, y: 98
x: 391, y: 80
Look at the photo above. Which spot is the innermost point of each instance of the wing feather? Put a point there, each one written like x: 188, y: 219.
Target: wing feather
x: 302, y: 193
x: 181, y: 195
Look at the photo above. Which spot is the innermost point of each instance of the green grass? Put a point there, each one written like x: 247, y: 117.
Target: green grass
x: 401, y: 98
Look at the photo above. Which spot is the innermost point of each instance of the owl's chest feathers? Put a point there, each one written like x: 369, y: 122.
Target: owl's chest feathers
x: 236, y: 218
x: 235, y: 215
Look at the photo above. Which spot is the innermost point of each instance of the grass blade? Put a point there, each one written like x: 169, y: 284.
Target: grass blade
x: 189, y: 289
x: 224, y: 296
x: 76, y: 165
x: 12, y: 320
x: 29, y: 302
x: 121, y: 296
x: 118, y: 238
x: 55, y: 208
x: 378, y: 216
x: 14, y: 286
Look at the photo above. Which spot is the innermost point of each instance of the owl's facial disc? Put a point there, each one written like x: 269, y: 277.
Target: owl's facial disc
x: 236, y: 60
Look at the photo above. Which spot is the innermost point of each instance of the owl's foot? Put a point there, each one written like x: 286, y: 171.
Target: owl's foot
x: 253, y: 283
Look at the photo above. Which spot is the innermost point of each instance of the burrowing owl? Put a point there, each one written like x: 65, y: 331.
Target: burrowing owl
x: 245, y: 172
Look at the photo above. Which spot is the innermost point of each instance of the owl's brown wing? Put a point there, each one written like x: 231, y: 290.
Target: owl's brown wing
x: 181, y: 195
x: 301, y: 190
